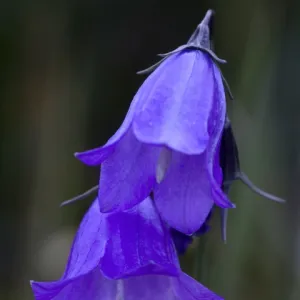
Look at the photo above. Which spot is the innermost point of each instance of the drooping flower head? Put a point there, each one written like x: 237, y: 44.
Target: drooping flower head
x: 123, y: 255
x: 169, y: 141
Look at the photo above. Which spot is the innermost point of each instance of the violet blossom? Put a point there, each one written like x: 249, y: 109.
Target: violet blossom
x: 123, y: 255
x: 169, y: 141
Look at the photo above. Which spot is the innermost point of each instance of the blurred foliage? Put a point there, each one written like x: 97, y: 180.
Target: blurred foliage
x: 68, y: 76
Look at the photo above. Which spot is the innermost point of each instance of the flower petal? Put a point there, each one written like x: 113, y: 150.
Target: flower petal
x: 87, y: 250
x: 128, y: 175
x: 150, y: 287
x: 139, y: 244
x: 91, y: 286
x: 176, y: 102
x: 184, y: 197
x: 215, y: 129
x: 189, y: 289
x: 160, y: 287
x: 96, y: 156
x: 123, y: 244
x: 89, y: 244
x: 149, y: 258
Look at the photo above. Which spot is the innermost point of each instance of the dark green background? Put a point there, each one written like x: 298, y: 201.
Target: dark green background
x: 67, y: 78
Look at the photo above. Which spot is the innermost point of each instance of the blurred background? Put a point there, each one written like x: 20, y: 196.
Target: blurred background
x: 68, y: 74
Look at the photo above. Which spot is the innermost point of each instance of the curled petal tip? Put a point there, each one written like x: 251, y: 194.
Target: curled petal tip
x: 226, y: 204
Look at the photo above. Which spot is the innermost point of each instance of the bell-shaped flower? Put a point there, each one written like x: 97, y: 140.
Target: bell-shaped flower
x: 124, y: 255
x: 169, y: 140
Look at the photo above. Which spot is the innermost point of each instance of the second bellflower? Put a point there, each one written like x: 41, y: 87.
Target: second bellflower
x: 123, y: 255
x: 169, y: 141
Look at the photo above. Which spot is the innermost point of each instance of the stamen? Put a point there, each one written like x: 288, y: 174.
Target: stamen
x: 81, y: 196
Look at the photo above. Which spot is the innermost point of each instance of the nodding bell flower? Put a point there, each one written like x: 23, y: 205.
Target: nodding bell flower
x: 123, y: 255
x: 169, y: 141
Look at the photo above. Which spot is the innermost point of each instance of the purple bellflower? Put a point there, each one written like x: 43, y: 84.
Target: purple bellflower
x: 123, y: 255
x: 169, y: 141
x: 230, y: 165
